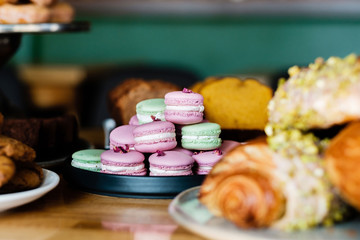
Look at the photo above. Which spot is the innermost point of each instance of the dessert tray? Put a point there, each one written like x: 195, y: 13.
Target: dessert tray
x: 187, y: 211
x: 11, y: 200
x: 129, y: 186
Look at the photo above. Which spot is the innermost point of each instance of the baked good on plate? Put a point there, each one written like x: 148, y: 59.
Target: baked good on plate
x: 290, y: 164
x: 122, y: 162
x: 342, y: 161
x: 201, y: 136
x: 150, y: 109
x: 87, y: 159
x: 234, y: 103
x: 123, y: 98
x: 155, y: 136
x: 184, y: 107
x: 243, y: 187
x: 122, y: 136
x: 170, y: 163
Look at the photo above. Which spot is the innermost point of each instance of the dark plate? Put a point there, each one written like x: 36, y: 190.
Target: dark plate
x: 129, y: 186
x: 58, y: 158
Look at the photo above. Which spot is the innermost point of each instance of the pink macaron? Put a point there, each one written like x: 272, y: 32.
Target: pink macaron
x: 184, y: 107
x: 122, y: 136
x: 123, y: 163
x: 206, y: 160
x: 134, y: 121
x: 170, y: 163
x: 155, y: 136
x: 183, y: 150
x: 227, y: 145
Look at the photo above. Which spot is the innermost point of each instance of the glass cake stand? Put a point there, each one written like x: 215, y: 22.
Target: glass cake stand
x: 10, y: 34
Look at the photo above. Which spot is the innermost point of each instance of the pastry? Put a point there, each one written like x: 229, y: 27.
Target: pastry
x: 87, y: 159
x: 342, y: 159
x: 154, y: 136
x: 123, y: 163
x: 313, y: 100
x: 150, y: 109
x: 23, y: 13
x: 28, y: 175
x: 123, y: 98
x: 122, y: 136
x: 201, y: 136
x: 184, y: 107
x: 16, y: 150
x: 170, y: 163
x: 43, y: 2
x: 47, y: 136
x: 7, y: 170
x: 234, y: 103
x: 318, y: 96
x: 206, y: 160
x: 61, y: 12
x: 243, y: 187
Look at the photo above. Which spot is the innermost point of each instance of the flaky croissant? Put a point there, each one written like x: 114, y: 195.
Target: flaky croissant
x: 242, y: 188
x: 342, y: 159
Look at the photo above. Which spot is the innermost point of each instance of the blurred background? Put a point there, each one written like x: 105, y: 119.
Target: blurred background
x: 176, y: 40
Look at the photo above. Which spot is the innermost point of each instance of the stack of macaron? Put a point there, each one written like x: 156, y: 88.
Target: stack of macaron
x: 169, y: 135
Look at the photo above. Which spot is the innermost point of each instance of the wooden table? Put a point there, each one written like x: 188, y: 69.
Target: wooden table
x: 68, y: 213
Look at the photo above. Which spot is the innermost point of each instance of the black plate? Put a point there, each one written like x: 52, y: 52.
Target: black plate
x: 129, y: 186
x: 52, y: 159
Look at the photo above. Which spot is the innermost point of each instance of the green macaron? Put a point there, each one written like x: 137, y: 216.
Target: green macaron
x: 87, y: 159
x: 149, y: 109
x: 201, y: 136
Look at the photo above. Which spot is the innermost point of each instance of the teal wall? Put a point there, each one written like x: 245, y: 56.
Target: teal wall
x: 209, y: 46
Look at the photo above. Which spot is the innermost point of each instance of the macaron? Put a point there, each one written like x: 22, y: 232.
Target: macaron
x: 170, y: 163
x: 206, y: 160
x: 150, y: 109
x: 184, y: 107
x: 183, y: 150
x: 87, y: 159
x: 201, y: 136
x: 154, y: 136
x: 122, y: 136
x: 123, y: 163
x: 134, y: 121
x: 227, y: 145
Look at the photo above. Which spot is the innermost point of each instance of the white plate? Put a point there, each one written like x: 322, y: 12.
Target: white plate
x: 11, y: 200
x: 188, y: 212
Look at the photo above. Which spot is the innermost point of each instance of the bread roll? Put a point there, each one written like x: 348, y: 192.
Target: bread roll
x: 242, y: 187
x: 342, y: 160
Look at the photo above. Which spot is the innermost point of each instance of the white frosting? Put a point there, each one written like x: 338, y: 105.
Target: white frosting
x: 160, y: 171
x: 205, y: 168
x: 147, y: 118
x: 306, y: 195
x: 85, y: 165
x: 121, y: 168
x: 208, y: 138
x: 186, y: 108
x: 155, y: 137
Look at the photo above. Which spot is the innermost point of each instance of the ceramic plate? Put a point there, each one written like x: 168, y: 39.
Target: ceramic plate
x: 11, y: 200
x: 187, y: 211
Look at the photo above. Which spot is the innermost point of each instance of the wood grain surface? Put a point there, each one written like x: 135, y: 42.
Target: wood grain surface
x: 68, y: 213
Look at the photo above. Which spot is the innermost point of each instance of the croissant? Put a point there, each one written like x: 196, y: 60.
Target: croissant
x: 242, y: 187
x: 342, y: 161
